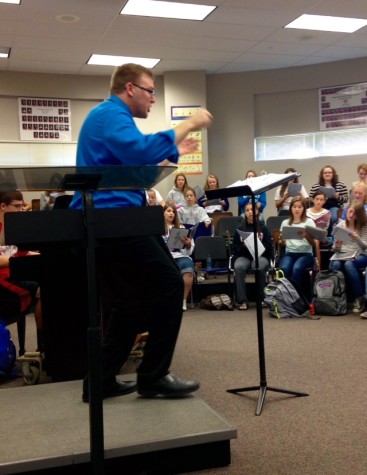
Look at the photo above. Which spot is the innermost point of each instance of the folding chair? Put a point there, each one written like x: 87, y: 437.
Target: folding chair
x: 216, y: 248
x: 273, y: 224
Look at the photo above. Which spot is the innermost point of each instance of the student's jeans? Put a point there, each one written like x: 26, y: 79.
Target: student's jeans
x: 293, y: 264
x: 351, y: 269
x: 333, y: 218
x: 241, y: 266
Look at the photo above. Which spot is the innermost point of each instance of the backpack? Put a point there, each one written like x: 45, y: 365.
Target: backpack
x: 7, y: 353
x: 284, y: 299
x: 329, y: 291
x: 216, y: 302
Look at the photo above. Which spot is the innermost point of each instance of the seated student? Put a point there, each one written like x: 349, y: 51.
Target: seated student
x: 216, y: 205
x: 176, y: 195
x: 321, y: 217
x: 181, y: 256
x: 260, y: 199
x: 283, y: 198
x: 192, y: 213
x: 48, y: 198
x: 317, y: 212
x: 362, y: 174
x: 298, y: 252
x: 359, y: 193
x: 244, y: 260
x: 329, y: 180
x: 17, y: 298
x: 356, y: 223
x: 154, y: 198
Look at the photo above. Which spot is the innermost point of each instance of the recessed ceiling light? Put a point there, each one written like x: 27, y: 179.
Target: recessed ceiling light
x: 109, y: 60
x: 66, y: 18
x: 15, y: 2
x: 158, y: 9
x: 4, y: 52
x: 327, y: 23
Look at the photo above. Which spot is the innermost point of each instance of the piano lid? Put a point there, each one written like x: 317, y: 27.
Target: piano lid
x: 82, y: 178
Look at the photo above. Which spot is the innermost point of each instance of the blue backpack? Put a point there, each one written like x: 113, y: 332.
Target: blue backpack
x: 7, y: 353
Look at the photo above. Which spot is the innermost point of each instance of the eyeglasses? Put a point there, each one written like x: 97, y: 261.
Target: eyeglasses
x: 16, y: 205
x: 149, y: 91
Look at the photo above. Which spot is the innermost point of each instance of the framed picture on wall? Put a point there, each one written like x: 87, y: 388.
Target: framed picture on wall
x: 41, y: 114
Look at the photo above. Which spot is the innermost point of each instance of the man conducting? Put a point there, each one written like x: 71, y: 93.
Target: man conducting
x: 138, y: 279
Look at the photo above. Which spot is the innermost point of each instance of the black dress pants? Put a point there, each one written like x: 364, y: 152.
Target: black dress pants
x: 141, y: 289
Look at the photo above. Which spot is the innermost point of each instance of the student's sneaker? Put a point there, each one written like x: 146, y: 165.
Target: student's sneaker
x: 184, y: 306
x: 200, y: 278
x: 358, y: 305
x: 364, y: 315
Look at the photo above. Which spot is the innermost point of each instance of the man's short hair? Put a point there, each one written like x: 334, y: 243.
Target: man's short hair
x: 127, y: 73
x: 7, y: 197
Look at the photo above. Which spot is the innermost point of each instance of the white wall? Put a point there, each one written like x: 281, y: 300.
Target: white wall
x: 243, y: 104
x: 232, y: 99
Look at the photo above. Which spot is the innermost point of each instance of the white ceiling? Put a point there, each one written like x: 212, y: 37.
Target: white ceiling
x: 240, y: 35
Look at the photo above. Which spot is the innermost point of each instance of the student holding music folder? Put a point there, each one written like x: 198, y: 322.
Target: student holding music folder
x: 335, y: 190
x: 285, y: 192
x: 181, y: 245
x: 139, y: 281
x: 298, y: 240
x: 350, y: 246
x: 244, y: 257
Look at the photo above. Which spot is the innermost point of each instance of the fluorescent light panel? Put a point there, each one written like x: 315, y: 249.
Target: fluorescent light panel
x: 14, y: 2
x: 109, y: 60
x: 327, y: 23
x: 158, y: 9
x: 4, y: 52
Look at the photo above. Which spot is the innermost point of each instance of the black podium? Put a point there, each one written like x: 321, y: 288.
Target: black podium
x: 67, y: 241
x: 252, y: 187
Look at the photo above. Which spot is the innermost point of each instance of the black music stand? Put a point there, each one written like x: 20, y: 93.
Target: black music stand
x: 86, y: 180
x: 252, y: 187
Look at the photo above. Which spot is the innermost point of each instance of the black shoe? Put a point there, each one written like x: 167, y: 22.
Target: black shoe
x: 117, y: 388
x: 169, y: 385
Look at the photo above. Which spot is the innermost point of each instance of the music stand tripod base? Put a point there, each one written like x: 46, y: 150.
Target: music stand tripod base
x: 262, y: 393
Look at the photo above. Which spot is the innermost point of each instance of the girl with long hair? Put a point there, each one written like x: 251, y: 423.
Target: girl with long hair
x: 244, y: 260
x: 216, y: 205
x: 350, y: 257
x: 181, y: 256
x: 336, y: 191
x: 298, y: 252
x: 282, y: 196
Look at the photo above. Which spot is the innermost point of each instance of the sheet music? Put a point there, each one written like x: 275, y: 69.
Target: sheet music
x: 175, y: 238
x: 294, y: 189
x: 340, y: 233
x: 248, y: 239
x: 317, y: 233
x: 292, y: 232
x: 328, y: 190
x: 258, y: 182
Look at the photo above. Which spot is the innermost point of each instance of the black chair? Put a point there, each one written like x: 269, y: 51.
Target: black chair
x: 216, y: 248
x: 228, y: 224
x: 62, y: 202
x: 273, y: 224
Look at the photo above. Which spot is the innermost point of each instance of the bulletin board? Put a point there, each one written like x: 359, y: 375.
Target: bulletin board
x: 190, y: 163
x: 44, y: 119
x: 343, y: 107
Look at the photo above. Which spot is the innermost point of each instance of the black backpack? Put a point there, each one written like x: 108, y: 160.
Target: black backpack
x: 329, y: 291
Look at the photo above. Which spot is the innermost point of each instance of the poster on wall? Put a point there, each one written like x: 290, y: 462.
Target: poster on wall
x: 44, y: 120
x: 343, y: 107
x: 190, y: 163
